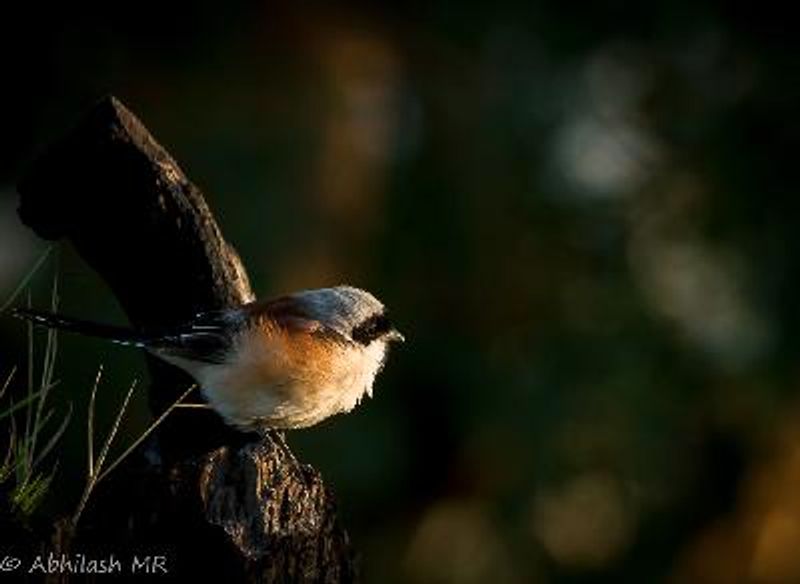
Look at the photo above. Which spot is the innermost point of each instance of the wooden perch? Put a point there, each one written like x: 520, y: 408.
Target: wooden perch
x: 224, y: 506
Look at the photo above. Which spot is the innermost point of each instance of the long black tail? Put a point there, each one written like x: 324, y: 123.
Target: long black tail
x: 115, y: 334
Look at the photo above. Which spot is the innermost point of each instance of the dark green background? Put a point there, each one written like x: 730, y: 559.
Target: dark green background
x: 583, y: 218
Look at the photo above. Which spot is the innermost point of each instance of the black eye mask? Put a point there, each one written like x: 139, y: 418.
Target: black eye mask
x: 372, y: 328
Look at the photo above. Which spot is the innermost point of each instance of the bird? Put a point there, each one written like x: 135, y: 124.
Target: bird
x: 280, y: 364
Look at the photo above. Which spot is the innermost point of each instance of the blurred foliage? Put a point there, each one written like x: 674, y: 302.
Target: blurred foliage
x: 581, y: 217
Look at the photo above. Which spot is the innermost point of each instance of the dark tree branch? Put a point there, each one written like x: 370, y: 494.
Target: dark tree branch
x: 242, y: 510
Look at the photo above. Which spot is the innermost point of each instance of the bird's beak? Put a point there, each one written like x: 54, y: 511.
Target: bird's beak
x: 395, y: 335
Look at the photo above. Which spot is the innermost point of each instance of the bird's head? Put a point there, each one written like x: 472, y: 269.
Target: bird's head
x: 353, y: 313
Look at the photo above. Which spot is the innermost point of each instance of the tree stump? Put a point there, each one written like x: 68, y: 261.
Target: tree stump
x: 222, y: 504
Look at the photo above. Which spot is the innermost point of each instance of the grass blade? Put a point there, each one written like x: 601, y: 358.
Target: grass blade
x: 7, y: 382
x: 54, y: 438
x: 19, y: 405
x: 48, y: 365
x: 146, y: 433
x: 26, y: 280
x: 90, y: 420
x: 115, y: 427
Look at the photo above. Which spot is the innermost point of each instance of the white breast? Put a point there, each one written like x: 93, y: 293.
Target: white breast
x: 266, y: 384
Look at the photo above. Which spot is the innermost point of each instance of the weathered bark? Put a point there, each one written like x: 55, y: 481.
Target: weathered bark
x: 224, y: 503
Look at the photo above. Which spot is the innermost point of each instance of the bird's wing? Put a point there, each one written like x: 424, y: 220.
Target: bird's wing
x: 286, y: 313
x: 208, y: 337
